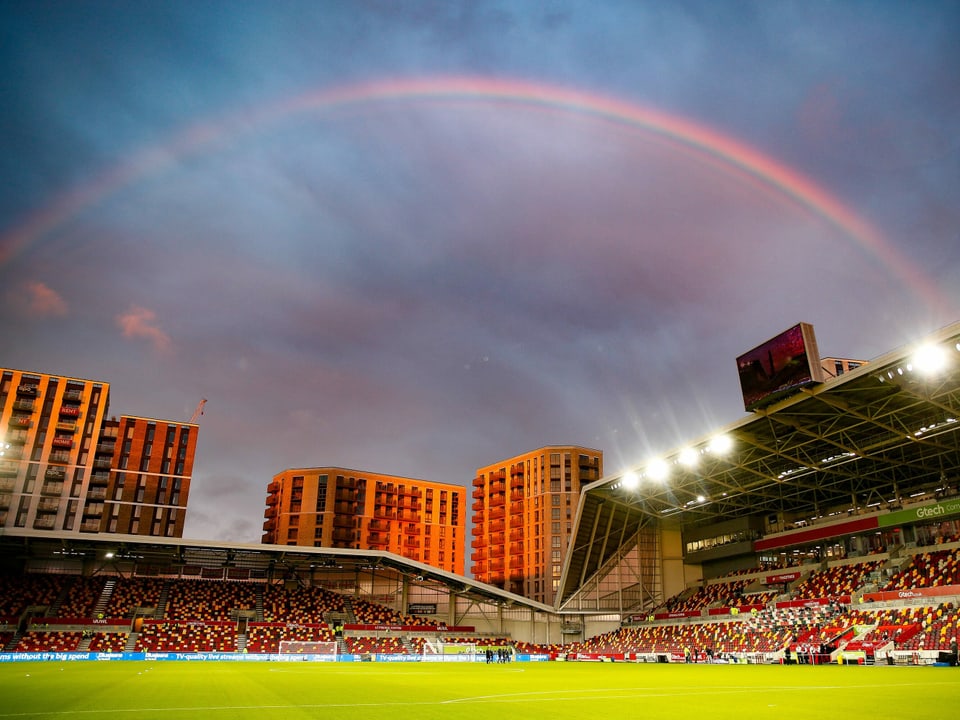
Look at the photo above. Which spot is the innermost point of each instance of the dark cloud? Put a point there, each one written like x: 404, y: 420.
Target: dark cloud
x: 423, y: 285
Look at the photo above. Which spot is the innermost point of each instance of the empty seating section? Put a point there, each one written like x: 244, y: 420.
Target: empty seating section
x: 929, y: 569
x: 837, y: 581
x: 108, y: 642
x: 266, y: 637
x: 187, y: 637
x: 49, y: 641
x: 938, y: 627
x: 207, y: 600
x: 18, y: 592
x: 371, y: 645
x: 299, y: 604
x: 129, y: 594
x: 715, y: 594
x: 82, y: 595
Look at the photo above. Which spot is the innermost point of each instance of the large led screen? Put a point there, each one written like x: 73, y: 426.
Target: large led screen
x: 779, y: 367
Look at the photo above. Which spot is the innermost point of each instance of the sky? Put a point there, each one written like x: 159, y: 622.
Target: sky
x: 418, y: 238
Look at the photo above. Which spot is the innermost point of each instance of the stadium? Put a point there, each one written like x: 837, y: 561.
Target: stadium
x: 822, y: 529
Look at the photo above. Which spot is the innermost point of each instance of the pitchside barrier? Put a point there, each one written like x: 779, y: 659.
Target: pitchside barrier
x: 905, y: 657
x: 232, y: 657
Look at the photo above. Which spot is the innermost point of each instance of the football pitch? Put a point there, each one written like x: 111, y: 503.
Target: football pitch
x: 268, y: 690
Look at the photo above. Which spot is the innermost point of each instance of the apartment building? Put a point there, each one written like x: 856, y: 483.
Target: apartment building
x: 523, y: 513
x: 65, y: 465
x: 341, y: 508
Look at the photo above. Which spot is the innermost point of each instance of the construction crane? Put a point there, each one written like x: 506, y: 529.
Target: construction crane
x: 199, y: 411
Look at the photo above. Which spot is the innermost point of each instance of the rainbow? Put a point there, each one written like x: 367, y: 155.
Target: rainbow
x: 730, y: 154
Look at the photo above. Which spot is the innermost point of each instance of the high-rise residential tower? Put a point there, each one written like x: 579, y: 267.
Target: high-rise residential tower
x: 524, y: 508
x: 66, y: 466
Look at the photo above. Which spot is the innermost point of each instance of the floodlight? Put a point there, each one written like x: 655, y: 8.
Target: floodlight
x: 658, y: 470
x: 688, y: 457
x: 720, y: 444
x: 631, y: 480
x: 929, y: 359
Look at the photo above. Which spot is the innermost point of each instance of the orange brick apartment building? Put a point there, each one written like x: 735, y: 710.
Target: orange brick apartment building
x: 340, y: 508
x: 64, y: 465
x: 523, y: 517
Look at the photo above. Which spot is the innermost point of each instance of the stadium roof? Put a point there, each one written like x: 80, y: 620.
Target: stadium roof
x: 882, y: 432
x: 17, y: 546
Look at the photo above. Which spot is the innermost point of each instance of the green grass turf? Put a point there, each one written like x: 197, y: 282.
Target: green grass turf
x: 264, y: 691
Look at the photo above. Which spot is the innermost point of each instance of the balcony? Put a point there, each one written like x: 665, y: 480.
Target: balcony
x: 20, y: 421
x: 18, y: 437
x: 516, y: 535
x: 498, y: 500
x: 5, y: 500
x: 102, y: 463
x: 97, y: 494
x: 69, y: 411
x: 8, y: 468
x: 497, y: 514
x: 378, y: 540
x: 342, y: 535
x: 478, y: 531
x: 51, y: 488
x: 66, y: 426
x: 59, y: 456
x: 345, y: 496
x: 477, y: 506
x: 347, y: 484
x: 54, y: 473
x: 478, y: 482
x: 382, y: 513
x: 48, y: 505
x: 478, y: 494
x: 6, y: 485
x: 90, y: 526
x: 345, y: 508
x: 105, y: 449
x: 270, y: 512
x: 62, y: 442
x: 73, y: 395
x: 517, y: 508
x: 28, y: 389
x: 341, y: 521
x: 497, y: 526
x: 99, y: 478
x: 270, y: 525
x: 25, y: 405
x: 45, y: 523
x: 411, y: 542
x: 479, y: 543
x: 273, y: 499
x: 273, y: 487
